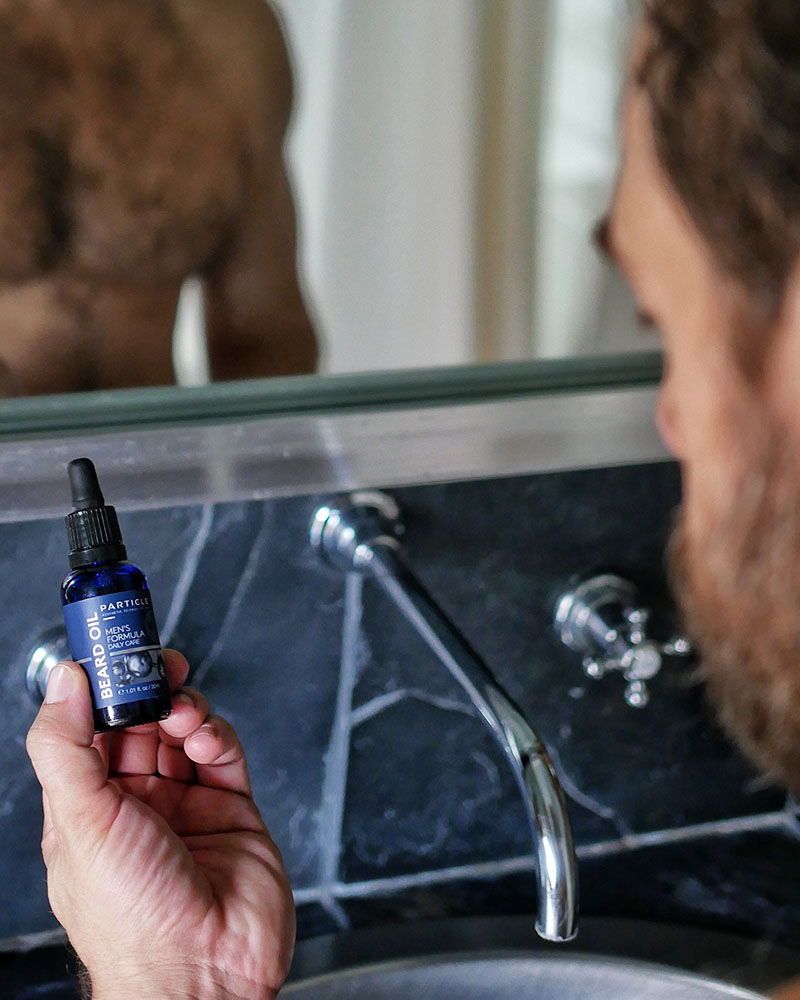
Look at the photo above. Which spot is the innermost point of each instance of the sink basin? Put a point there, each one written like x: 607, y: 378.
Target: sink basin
x: 499, y: 958
x: 522, y: 977
x: 490, y: 958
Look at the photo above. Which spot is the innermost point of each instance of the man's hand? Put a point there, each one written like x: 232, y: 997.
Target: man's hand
x: 159, y: 865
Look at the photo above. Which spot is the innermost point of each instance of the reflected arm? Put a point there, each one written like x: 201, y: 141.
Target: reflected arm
x: 256, y: 319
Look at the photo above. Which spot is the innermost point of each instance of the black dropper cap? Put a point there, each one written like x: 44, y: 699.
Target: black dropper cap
x: 92, y: 528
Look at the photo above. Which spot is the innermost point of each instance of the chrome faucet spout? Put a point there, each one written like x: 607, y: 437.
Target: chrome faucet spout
x: 359, y: 533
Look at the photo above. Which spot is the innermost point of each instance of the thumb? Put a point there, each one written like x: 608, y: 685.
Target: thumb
x: 70, y: 770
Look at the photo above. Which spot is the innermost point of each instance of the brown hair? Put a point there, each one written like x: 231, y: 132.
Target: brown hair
x: 723, y: 77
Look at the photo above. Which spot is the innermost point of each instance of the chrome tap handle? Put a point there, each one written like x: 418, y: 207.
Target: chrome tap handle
x: 602, y: 618
x: 51, y: 646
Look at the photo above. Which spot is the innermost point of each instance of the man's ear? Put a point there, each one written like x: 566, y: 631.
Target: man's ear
x: 781, y: 373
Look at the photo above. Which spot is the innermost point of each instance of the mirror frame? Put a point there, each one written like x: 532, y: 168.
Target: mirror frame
x: 169, y: 406
x: 311, y: 435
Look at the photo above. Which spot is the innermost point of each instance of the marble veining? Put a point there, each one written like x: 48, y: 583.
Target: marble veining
x: 243, y: 583
x: 188, y: 572
x: 334, y: 785
x: 380, y: 703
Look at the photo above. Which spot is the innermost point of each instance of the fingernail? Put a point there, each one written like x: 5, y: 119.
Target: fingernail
x: 204, y: 732
x: 182, y: 699
x: 60, y: 684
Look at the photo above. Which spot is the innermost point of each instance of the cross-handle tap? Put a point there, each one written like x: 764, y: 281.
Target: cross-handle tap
x: 602, y: 617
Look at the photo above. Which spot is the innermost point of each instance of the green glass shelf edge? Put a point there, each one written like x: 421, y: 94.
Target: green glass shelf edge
x: 138, y: 409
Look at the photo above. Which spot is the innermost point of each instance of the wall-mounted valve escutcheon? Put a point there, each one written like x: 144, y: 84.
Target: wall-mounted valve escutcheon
x: 51, y: 646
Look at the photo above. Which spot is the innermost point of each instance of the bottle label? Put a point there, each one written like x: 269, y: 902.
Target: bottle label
x: 115, y: 639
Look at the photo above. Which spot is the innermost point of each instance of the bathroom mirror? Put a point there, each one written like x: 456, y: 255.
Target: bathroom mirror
x: 451, y: 160
x: 448, y: 162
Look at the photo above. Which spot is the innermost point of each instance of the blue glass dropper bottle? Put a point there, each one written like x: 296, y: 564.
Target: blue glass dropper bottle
x: 109, y: 614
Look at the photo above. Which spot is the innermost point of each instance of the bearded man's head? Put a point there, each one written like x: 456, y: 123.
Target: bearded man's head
x: 705, y: 225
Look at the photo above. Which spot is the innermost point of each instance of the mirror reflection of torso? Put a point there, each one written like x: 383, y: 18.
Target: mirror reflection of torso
x: 140, y: 143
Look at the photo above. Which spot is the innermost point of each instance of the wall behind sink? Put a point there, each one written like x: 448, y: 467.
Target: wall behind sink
x: 386, y: 794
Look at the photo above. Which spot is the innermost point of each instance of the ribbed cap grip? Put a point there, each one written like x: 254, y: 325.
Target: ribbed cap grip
x: 93, y: 531
x: 89, y: 529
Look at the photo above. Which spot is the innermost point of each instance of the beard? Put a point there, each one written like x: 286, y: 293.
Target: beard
x: 738, y: 591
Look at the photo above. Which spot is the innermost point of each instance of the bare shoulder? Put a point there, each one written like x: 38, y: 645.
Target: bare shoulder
x: 260, y: 34
x: 254, y: 22
x: 247, y: 37
x: 259, y: 19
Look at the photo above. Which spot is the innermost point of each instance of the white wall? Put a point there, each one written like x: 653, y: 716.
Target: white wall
x: 581, y: 306
x: 384, y: 155
x: 450, y: 158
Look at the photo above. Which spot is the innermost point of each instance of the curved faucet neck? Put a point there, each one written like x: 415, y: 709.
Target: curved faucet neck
x: 360, y: 533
